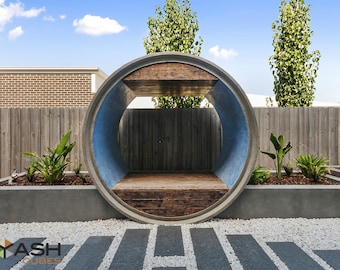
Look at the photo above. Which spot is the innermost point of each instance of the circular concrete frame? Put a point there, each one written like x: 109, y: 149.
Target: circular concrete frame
x: 102, y: 151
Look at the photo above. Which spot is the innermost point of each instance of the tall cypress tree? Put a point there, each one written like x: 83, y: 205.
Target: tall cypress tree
x: 294, y: 67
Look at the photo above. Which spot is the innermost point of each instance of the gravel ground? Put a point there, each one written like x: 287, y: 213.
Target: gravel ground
x: 308, y: 234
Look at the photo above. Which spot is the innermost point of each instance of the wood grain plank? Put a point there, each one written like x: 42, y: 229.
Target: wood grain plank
x: 5, y: 142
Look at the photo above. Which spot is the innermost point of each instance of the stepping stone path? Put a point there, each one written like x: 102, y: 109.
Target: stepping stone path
x: 208, y: 250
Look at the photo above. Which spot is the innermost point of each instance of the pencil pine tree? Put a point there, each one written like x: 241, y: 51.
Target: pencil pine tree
x: 294, y: 68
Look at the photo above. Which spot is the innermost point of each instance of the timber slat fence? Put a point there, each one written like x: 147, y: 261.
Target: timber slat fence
x: 170, y: 140
x: 310, y: 130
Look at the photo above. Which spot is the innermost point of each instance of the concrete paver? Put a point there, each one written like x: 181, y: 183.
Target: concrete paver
x: 179, y: 247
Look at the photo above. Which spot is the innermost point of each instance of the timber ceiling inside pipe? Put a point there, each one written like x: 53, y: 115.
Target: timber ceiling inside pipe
x: 170, y: 79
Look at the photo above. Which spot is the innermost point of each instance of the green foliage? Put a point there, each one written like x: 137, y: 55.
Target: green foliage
x: 288, y: 168
x: 312, y: 166
x: 280, y: 152
x: 171, y: 102
x: 30, y: 171
x: 52, y: 166
x: 269, y: 102
x: 77, y: 168
x: 174, y: 30
x: 294, y: 68
x: 259, y: 176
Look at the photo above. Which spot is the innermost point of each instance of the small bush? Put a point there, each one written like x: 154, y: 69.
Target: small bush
x: 312, y: 166
x: 77, y: 169
x: 259, y: 176
x: 30, y: 171
x: 288, y: 168
x: 51, y: 167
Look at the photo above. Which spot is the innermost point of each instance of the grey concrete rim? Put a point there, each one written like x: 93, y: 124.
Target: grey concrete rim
x: 159, y: 58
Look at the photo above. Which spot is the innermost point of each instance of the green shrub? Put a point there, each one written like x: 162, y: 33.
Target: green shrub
x: 51, y: 167
x: 288, y: 168
x: 280, y: 152
x: 77, y: 169
x: 30, y: 171
x: 259, y: 176
x: 312, y: 166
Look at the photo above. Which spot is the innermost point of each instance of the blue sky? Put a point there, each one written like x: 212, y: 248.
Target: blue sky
x: 107, y: 34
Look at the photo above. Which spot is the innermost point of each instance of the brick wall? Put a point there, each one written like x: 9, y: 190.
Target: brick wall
x: 45, y: 89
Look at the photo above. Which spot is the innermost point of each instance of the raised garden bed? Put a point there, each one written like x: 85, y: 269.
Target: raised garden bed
x: 84, y: 202
x: 70, y: 179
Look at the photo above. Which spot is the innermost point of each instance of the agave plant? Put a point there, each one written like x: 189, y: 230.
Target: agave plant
x: 312, y: 166
x: 52, y: 166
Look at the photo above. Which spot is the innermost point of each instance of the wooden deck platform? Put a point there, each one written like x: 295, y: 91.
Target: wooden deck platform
x: 170, y: 194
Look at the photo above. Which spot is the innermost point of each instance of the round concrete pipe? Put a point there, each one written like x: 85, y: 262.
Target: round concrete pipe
x: 100, y: 134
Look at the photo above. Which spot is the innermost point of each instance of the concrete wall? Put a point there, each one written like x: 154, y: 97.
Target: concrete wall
x: 39, y: 204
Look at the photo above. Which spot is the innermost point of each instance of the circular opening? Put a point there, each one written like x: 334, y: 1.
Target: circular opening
x: 170, y: 74
x: 170, y: 154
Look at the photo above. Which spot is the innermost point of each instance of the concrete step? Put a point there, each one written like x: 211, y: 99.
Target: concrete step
x: 332, y: 177
x: 170, y: 194
x: 335, y: 171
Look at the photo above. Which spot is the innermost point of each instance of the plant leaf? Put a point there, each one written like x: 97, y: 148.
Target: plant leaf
x: 275, y: 141
x: 271, y: 155
x: 61, y: 146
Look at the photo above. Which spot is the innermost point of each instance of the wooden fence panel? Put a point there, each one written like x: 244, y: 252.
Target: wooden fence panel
x: 35, y: 134
x: 34, y: 130
x: 333, y: 136
x: 5, y: 142
x: 180, y: 139
x: 75, y: 126
x: 312, y: 130
x: 188, y: 142
x: 25, y: 128
x: 15, y: 140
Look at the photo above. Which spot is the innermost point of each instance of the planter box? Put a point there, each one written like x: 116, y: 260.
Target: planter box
x: 53, y: 203
x: 286, y: 201
x: 84, y: 203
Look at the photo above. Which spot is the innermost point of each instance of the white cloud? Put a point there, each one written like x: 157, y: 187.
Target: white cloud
x: 33, y: 12
x: 49, y: 18
x: 15, y: 33
x: 96, y: 25
x: 225, y: 54
x: 52, y: 19
x: 17, y: 9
